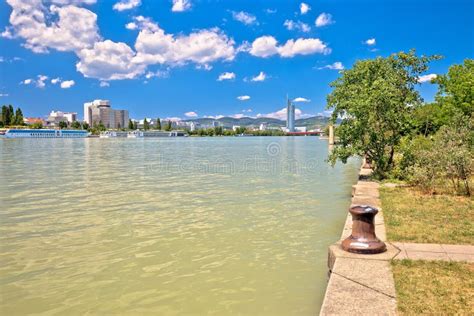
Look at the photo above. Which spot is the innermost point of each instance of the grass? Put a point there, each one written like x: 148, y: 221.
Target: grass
x: 414, y: 217
x: 434, y: 287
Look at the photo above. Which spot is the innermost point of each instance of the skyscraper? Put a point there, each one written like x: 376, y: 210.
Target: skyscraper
x: 290, y: 115
x: 99, y: 111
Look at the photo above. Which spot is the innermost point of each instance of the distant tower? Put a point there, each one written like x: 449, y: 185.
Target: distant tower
x: 290, y: 115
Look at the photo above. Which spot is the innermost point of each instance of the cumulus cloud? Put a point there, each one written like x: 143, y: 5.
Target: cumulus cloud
x: 266, y: 46
x: 104, y: 84
x: 3, y: 94
x: 27, y: 81
x: 158, y: 74
x: 226, y: 76
x: 260, y: 77
x: 426, y: 78
x: 244, y: 17
x: 300, y: 99
x: 109, y: 60
x: 63, y: 28
x: 247, y: 110
x: 281, y: 114
x: 304, y: 8
x: 297, y: 25
x: 334, y: 66
x: 323, y: 19
x: 154, y: 46
x: 370, y: 41
x: 190, y: 114
x: 131, y: 26
x: 67, y: 84
x: 181, y: 5
x: 55, y: 80
x: 243, y: 98
x: 126, y: 5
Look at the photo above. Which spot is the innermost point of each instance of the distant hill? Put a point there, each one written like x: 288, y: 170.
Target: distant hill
x: 309, y: 122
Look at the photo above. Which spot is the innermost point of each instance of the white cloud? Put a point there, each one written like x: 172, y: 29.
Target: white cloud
x: 131, y: 26
x: 323, y: 19
x: 426, y: 78
x: 266, y: 46
x: 181, y: 5
x: 109, y: 60
x: 27, y: 81
x: 67, y: 84
x: 334, y: 66
x: 74, y: 2
x: 154, y: 46
x: 281, y: 114
x: 71, y: 28
x: 104, y: 84
x: 247, y: 110
x: 298, y: 25
x: 370, y: 41
x: 40, y: 83
x: 243, y: 98
x: 300, y: 99
x: 238, y: 115
x: 270, y: 11
x: 3, y: 94
x: 304, y: 8
x: 260, y: 77
x: 190, y: 114
x: 55, y: 80
x: 244, y: 17
x: 126, y: 5
x: 158, y: 74
x: 226, y: 76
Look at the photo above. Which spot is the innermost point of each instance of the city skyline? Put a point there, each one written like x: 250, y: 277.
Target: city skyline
x: 157, y: 59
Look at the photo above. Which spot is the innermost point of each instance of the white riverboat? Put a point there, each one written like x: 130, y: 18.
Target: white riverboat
x: 112, y: 134
x: 45, y: 133
x: 135, y: 134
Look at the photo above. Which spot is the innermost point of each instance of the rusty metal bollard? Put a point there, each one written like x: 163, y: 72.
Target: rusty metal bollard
x: 363, y: 239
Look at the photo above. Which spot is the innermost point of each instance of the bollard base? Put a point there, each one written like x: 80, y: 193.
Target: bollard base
x: 355, y: 245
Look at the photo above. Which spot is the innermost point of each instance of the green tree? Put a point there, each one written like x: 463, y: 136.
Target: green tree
x: 101, y: 127
x: 76, y: 125
x: 135, y: 125
x: 375, y: 100
x: 62, y: 124
x: 11, y: 115
x: 146, y: 125
x: 3, y: 117
x: 19, y: 117
x: 218, y: 131
x: 456, y: 92
x: 158, y: 124
x: 85, y: 125
x: 168, y: 126
x: 130, y: 124
x: 37, y: 125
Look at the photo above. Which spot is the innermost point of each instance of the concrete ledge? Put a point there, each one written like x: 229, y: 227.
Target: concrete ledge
x: 361, y: 284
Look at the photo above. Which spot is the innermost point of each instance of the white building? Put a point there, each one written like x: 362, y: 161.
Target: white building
x: 193, y: 126
x: 59, y: 116
x: 100, y: 111
x: 263, y: 126
x: 235, y: 127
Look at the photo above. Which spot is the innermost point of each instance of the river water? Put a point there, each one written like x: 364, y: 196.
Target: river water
x: 168, y: 226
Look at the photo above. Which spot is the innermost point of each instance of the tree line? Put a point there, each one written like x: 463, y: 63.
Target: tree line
x: 11, y: 117
x: 384, y: 118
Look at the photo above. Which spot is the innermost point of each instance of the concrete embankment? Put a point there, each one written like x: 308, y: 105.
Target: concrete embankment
x: 361, y: 284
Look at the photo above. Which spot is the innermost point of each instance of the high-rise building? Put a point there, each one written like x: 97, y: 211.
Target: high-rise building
x: 290, y: 115
x: 100, y: 111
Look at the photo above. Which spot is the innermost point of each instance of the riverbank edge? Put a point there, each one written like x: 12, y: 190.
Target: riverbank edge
x: 361, y: 284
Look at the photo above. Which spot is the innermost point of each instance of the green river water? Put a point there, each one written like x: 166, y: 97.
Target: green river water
x: 168, y: 226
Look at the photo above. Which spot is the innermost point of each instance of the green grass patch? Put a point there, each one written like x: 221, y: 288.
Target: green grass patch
x: 414, y: 217
x: 434, y: 287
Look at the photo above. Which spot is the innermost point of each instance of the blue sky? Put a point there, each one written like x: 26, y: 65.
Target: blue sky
x: 163, y: 58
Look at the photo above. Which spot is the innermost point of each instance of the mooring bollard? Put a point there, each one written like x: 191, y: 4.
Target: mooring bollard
x: 363, y: 239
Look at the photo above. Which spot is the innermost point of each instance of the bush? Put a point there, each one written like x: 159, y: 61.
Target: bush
x: 446, y: 160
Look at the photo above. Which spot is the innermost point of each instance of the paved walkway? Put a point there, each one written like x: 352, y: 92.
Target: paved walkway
x: 434, y: 252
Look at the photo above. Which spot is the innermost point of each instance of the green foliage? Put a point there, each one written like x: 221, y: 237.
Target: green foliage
x: 456, y: 90
x: 376, y: 99
x: 130, y: 124
x: 10, y: 117
x: 158, y: 124
x: 37, y: 125
x: 85, y: 125
x: 218, y: 131
x: 444, y: 160
x: 18, y: 117
x: 76, y: 125
x: 146, y: 125
x: 62, y: 124
x: 168, y: 126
